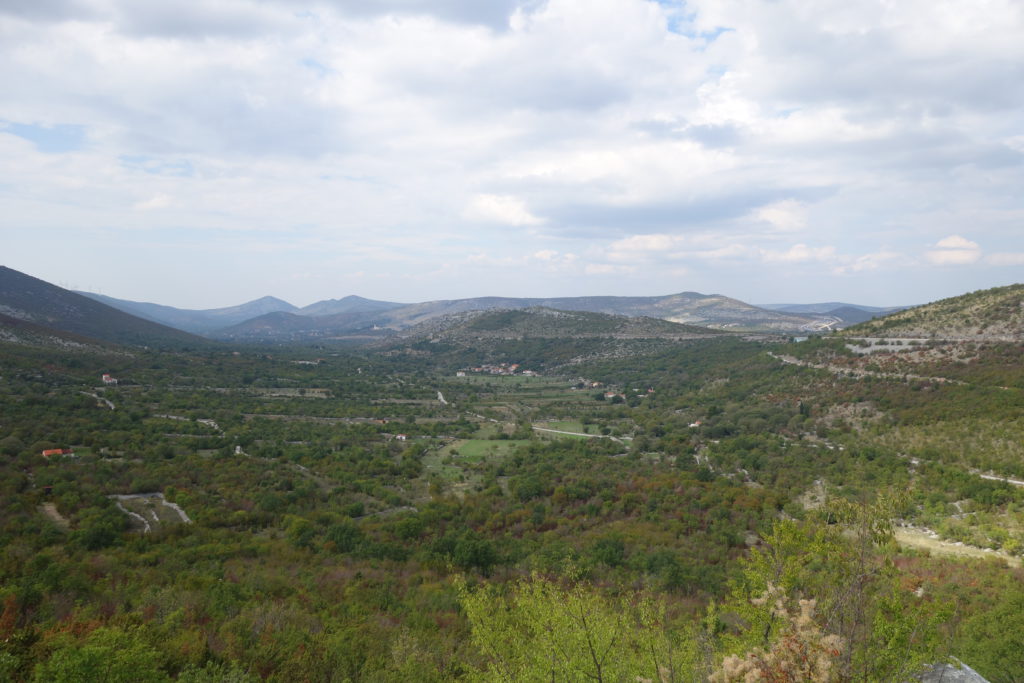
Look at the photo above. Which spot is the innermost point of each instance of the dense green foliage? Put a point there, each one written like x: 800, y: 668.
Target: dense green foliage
x: 346, y: 524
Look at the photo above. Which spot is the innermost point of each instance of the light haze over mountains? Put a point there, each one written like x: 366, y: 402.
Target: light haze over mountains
x: 28, y: 300
x: 272, y: 319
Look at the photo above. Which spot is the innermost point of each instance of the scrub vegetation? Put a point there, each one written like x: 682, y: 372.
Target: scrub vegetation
x: 726, y: 514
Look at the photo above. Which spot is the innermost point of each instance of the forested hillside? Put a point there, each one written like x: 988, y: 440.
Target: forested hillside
x: 691, y: 510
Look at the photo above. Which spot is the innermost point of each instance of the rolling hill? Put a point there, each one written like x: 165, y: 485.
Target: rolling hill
x: 48, y: 307
x: 541, y: 339
x: 846, y: 314
x: 196, y: 321
x: 548, y: 323
x: 986, y: 315
x: 707, y: 310
x: 381, y: 319
x: 349, y: 304
x: 354, y: 318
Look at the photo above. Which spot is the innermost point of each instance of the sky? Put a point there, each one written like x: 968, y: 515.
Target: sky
x: 203, y: 153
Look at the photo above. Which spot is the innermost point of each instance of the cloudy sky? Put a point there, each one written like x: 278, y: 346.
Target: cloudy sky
x: 201, y: 153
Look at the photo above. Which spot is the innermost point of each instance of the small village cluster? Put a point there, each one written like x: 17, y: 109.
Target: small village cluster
x: 497, y: 369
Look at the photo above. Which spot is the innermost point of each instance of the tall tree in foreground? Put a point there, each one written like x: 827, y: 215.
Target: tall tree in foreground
x: 835, y: 573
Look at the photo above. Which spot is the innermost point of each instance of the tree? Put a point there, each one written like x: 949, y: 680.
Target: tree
x: 111, y: 655
x: 992, y: 642
x: 570, y: 632
x: 802, y: 652
x: 888, y: 632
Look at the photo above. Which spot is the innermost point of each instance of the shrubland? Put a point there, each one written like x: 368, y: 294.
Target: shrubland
x: 729, y: 513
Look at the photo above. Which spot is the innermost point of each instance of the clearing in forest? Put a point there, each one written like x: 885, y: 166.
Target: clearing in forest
x: 50, y: 510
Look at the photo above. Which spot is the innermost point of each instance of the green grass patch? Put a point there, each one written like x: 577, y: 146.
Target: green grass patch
x: 434, y: 464
x: 474, y: 450
x: 566, y: 426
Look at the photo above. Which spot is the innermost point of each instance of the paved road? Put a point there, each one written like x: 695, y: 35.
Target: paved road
x: 155, y: 496
x: 181, y: 418
x: 99, y: 398
x: 790, y: 360
x: 589, y: 436
x: 993, y: 477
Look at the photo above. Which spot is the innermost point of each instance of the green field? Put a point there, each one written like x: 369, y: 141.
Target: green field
x: 477, y: 449
x: 565, y: 426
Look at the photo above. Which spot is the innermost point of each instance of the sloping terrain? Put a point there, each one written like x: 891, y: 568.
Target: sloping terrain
x: 708, y: 310
x: 846, y: 314
x: 291, y: 327
x: 547, y: 323
x: 196, y: 321
x: 16, y: 331
x: 503, y: 449
x: 356, y: 318
x: 349, y: 304
x: 986, y: 315
x: 830, y: 307
x: 540, y: 339
x: 32, y: 300
x: 372, y: 319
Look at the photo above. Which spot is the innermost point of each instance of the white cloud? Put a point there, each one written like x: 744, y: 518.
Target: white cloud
x: 424, y: 132
x: 799, y: 253
x: 954, y: 251
x: 869, y: 262
x: 645, y: 243
x: 953, y: 257
x: 956, y: 242
x: 641, y: 247
x: 785, y: 216
x: 159, y: 201
x: 500, y: 209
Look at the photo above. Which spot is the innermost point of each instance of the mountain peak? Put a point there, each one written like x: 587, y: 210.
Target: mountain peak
x: 269, y: 300
x: 348, y: 304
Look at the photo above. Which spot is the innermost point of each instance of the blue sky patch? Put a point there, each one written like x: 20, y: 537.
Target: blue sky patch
x: 180, y: 168
x: 58, y: 139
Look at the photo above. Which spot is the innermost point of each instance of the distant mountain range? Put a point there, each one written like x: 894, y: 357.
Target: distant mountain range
x: 354, y: 318
x: 211, y: 320
x: 829, y: 306
x: 197, y: 322
x: 357, y: 319
x: 847, y: 314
